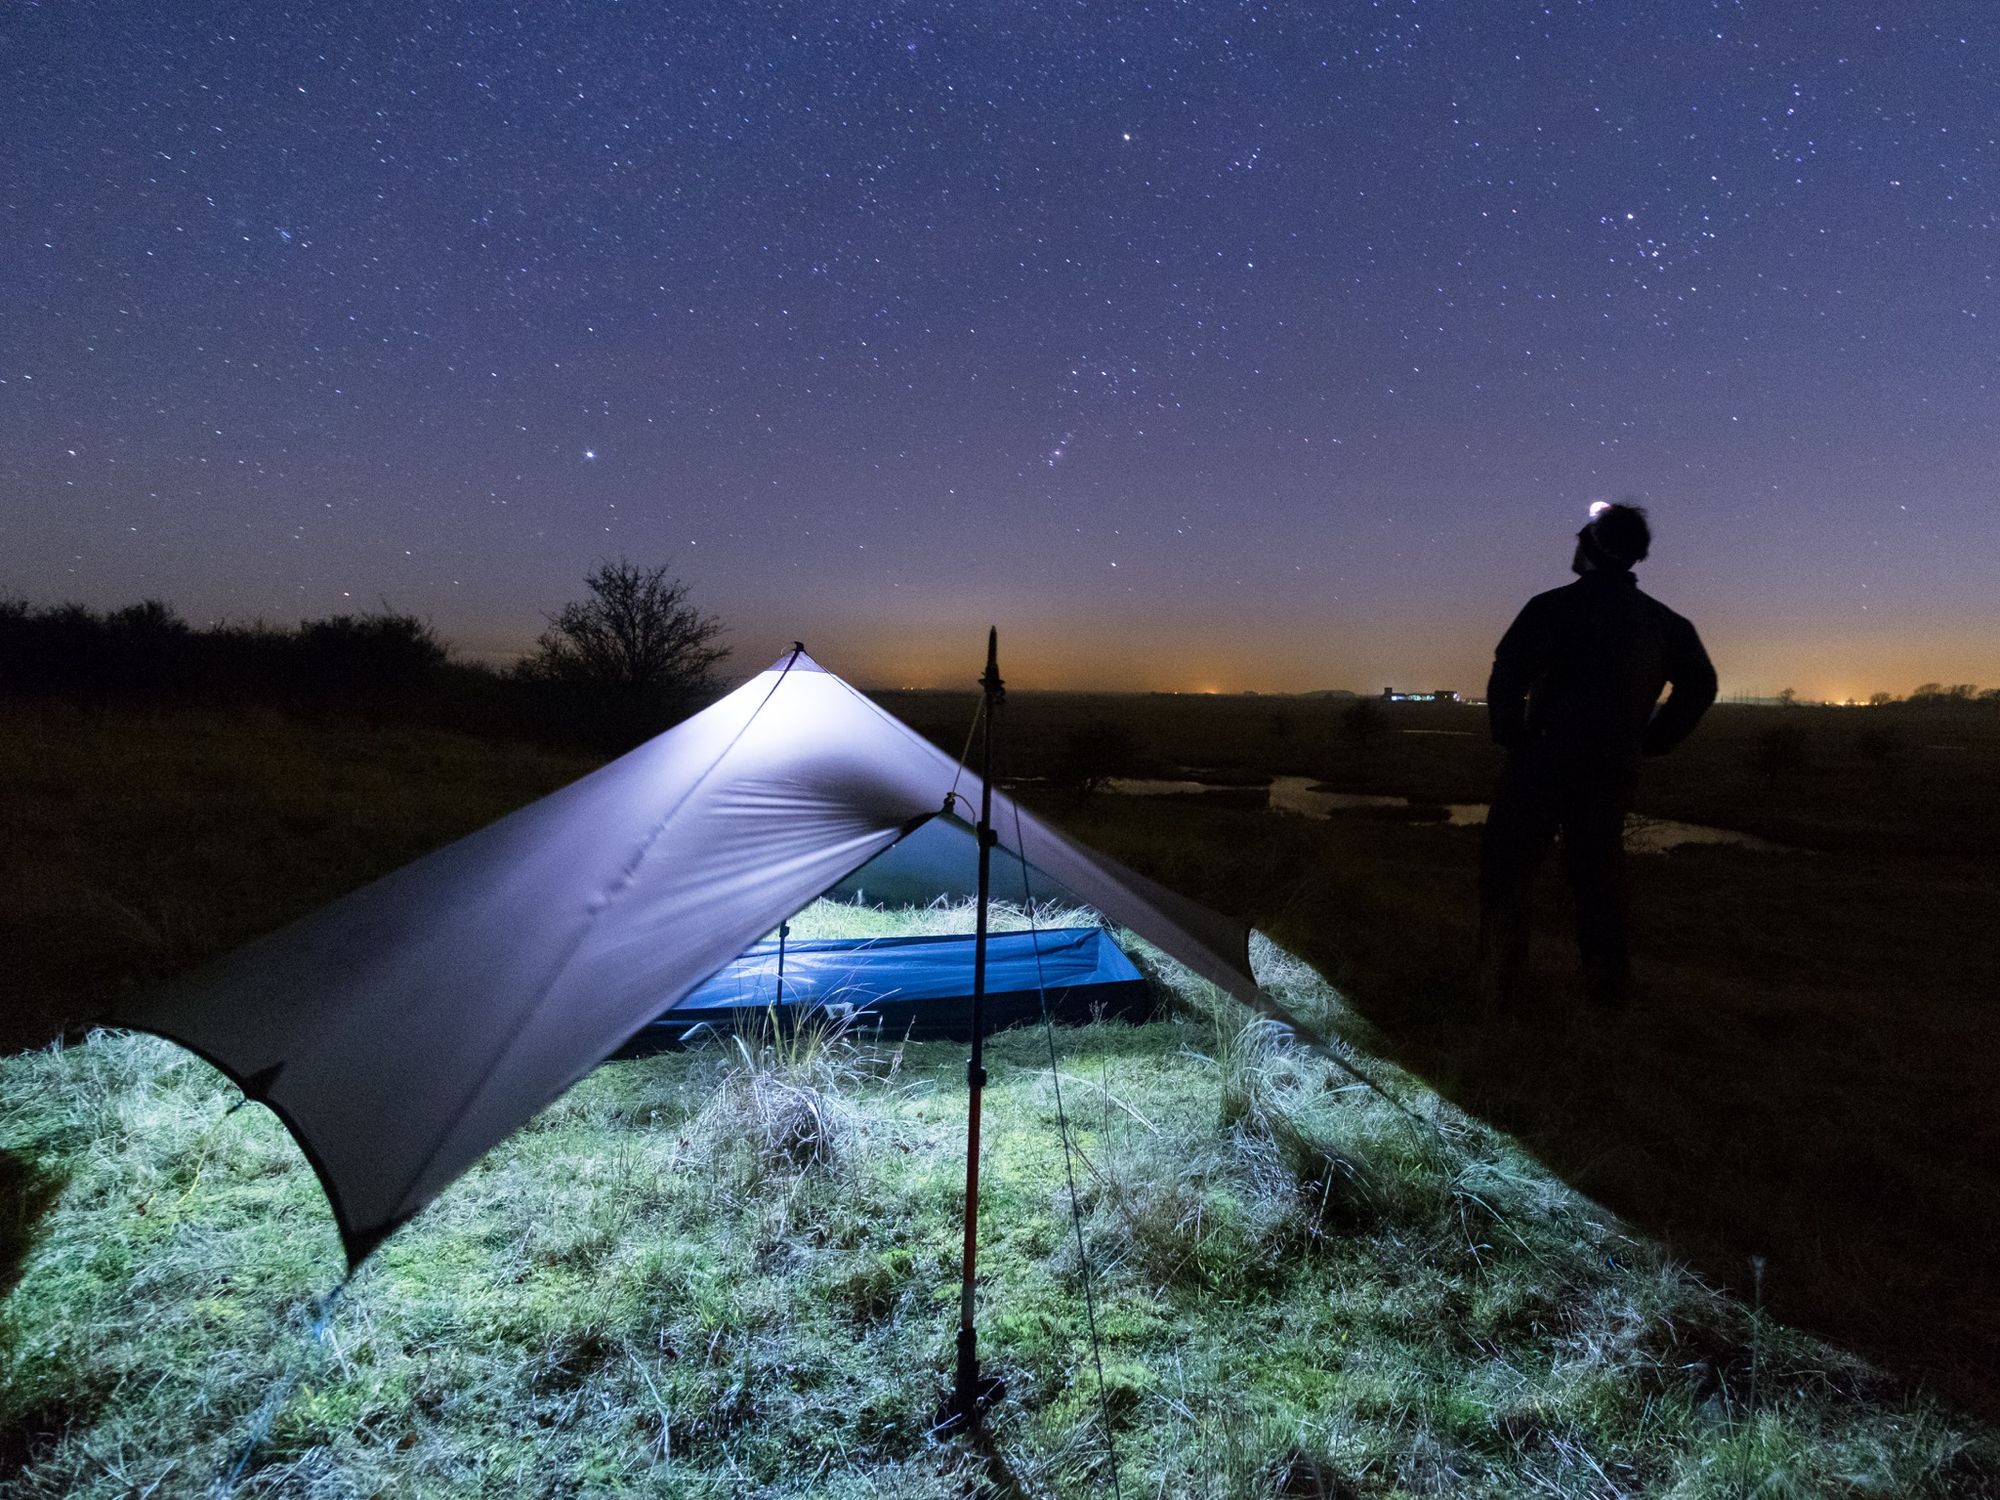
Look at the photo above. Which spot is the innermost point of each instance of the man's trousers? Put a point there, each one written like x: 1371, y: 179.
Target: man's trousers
x: 1544, y: 791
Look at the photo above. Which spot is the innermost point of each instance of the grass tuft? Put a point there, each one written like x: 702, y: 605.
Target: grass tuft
x: 779, y: 1106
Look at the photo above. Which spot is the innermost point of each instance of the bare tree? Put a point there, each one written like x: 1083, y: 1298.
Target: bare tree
x: 637, y: 645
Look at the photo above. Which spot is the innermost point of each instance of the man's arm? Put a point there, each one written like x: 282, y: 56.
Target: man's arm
x: 1693, y: 679
x: 1520, y: 658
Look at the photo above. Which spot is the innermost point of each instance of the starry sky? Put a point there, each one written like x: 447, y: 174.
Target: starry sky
x: 1196, y: 346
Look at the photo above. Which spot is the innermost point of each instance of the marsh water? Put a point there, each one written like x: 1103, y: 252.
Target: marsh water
x: 1301, y: 796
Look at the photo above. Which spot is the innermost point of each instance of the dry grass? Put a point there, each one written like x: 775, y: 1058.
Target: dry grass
x: 731, y: 1271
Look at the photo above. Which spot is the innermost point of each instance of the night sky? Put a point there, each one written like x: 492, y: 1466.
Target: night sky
x: 1196, y: 346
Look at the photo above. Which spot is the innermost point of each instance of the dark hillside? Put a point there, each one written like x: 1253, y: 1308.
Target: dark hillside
x: 1807, y: 1079
x: 140, y: 842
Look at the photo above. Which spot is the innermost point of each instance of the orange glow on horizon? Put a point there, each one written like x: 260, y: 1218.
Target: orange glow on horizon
x: 1228, y: 656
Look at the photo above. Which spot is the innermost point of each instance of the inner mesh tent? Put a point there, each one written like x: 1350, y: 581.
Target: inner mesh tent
x: 942, y: 859
x: 405, y: 1029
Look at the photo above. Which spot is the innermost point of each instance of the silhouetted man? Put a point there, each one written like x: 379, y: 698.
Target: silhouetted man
x: 1576, y: 680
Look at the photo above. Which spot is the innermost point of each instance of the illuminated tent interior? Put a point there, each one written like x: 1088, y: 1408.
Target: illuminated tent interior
x: 405, y: 1029
x: 917, y: 985
x: 914, y: 986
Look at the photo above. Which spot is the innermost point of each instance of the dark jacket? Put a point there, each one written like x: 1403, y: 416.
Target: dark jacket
x: 1581, y: 669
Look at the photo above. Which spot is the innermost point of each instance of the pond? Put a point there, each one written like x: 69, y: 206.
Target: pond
x: 1301, y: 796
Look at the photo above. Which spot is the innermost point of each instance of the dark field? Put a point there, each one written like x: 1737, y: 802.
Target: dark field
x: 1806, y: 1080
x: 1808, y: 1075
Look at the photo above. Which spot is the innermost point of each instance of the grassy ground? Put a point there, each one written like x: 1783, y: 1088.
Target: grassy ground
x: 1774, y: 1095
x: 734, y: 1271
x: 1303, y: 1293
x: 1806, y: 1081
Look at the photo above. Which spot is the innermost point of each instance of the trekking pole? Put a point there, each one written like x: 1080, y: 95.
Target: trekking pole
x: 784, y: 931
x: 966, y: 1399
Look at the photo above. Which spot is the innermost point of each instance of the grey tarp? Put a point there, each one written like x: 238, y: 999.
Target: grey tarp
x: 408, y: 1027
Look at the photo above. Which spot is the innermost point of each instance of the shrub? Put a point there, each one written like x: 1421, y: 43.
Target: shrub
x: 348, y: 655
x: 630, y: 659
x: 145, y: 653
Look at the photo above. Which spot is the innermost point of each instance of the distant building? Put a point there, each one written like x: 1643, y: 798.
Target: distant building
x: 1439, y: 695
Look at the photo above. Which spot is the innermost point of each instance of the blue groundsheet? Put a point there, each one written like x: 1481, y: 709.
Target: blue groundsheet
x: 918, y: 987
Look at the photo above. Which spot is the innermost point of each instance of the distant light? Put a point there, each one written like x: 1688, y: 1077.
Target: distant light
x: 1598, y: 508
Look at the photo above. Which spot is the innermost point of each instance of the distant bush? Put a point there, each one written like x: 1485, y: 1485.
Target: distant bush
x: 146, y: 653
x: 352, y: 653
x: 69, y: 648
x: 605, y: 679
x: 1954, y: 695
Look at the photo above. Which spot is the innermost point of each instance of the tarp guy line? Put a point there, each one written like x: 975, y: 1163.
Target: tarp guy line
x: 1069, y: 1167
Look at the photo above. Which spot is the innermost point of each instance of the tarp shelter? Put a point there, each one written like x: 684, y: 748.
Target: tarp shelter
x: 408, y: 1027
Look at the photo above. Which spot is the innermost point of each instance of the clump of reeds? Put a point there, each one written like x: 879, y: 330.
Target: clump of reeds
x: 781, y: 1104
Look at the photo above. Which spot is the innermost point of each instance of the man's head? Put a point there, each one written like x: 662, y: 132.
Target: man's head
x: 1614, y: 538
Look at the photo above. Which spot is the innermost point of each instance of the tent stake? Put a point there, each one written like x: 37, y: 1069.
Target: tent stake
x: 970, y: 1396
